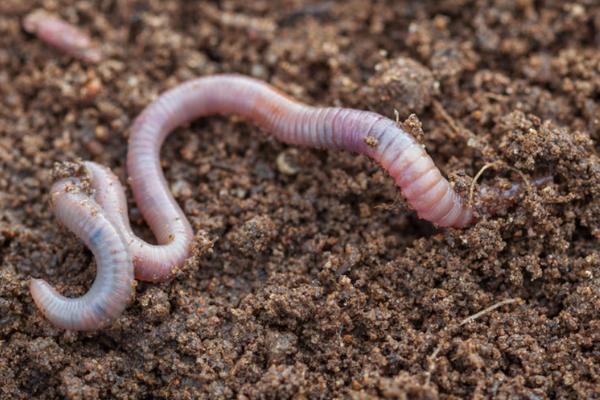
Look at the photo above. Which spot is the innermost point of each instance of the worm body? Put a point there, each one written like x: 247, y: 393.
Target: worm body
x: 426, y: 190
x: 102, y: 221
x: 60, y: 34
x: 113, y: 286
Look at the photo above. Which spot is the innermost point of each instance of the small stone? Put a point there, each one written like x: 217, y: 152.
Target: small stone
x: 285, y: 162
x: 181, y: 189
x: 102, y: 133
x: 91, y: 89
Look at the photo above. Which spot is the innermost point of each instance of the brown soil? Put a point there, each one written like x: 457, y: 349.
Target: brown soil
x: 319, y: 281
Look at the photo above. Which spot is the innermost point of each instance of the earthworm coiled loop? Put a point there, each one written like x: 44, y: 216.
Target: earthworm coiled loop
x: 113, y: 287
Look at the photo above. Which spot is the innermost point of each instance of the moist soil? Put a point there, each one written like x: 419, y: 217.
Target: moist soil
x: 312, y: 278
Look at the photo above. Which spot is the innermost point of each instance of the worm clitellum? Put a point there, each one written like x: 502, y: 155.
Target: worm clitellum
x: 113, y: 286
x: 62, y: 35
x: 378, y: 137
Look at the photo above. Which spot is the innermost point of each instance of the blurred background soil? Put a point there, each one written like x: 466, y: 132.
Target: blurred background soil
x: 315, y: 280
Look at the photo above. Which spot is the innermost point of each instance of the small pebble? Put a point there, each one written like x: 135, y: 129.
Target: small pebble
x: 285, y: 162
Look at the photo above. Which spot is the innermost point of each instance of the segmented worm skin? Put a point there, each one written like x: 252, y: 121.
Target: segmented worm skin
x: 60, y: 34
x: 420, y: 181
x: 114, y: 284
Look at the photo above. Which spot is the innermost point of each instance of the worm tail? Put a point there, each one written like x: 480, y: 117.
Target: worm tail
x: 113, y: 286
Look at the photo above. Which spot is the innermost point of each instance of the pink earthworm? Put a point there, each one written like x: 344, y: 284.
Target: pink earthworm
x: 292, y: 122
x: 62, y: 35
x: 114, y: 283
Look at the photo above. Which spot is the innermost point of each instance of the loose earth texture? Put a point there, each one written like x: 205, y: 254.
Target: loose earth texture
x: 311, y: 277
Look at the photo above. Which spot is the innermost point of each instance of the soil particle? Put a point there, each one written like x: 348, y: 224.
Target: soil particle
x: 254, y: 236
x: 155, y: 305
x: 286, y: 164
x: 404, y: 84
x: 310, y: 278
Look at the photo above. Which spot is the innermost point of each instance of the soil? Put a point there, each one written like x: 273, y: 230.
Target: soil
x: 313, y: 279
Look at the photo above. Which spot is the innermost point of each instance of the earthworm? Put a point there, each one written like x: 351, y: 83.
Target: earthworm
x: 292, y: 122
x: 114, y: 283
x: 102, y: 221
x: 62, y: 35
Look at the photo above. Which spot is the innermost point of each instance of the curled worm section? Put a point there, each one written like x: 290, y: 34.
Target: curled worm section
x: 153, y: 263
x: 114, y: 283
